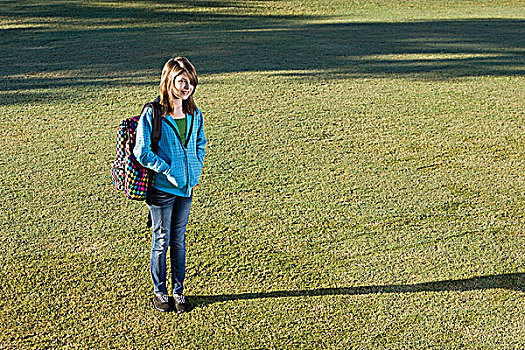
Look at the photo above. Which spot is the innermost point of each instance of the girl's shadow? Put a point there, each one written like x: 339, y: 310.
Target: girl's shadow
x: 513, y: 281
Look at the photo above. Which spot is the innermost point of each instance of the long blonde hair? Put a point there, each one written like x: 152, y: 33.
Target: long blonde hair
x: 172, y: 68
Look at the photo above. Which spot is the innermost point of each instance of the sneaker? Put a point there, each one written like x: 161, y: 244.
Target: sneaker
x: 180, y: 303
x: 161, y: 302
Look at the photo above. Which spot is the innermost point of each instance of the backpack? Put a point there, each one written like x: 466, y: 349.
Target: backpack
x: 127, y: 174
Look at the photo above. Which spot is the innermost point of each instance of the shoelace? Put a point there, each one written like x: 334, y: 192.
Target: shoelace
x: 180, y: 299
x: 163, y: 298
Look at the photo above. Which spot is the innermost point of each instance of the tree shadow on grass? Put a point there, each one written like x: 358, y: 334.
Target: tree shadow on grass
x: 513, y: 281
x: 88, y: 44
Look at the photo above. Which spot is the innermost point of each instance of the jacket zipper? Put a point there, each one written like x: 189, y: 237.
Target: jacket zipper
x: 183, y: 148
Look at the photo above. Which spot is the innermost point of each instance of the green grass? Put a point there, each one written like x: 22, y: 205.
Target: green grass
x: 363, y: 186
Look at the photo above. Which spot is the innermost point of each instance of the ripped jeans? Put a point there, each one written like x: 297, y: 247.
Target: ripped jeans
x: 169, y: 214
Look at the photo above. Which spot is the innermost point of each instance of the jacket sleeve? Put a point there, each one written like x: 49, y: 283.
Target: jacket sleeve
x: 142, y: 149
x: 201, y: 139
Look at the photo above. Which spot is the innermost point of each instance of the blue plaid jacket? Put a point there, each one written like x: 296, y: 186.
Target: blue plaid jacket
x: 184, y: 163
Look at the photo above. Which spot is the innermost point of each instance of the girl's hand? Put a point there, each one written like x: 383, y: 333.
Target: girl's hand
x: 172, y: 180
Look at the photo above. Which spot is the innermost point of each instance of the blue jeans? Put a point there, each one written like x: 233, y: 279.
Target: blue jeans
x: 169, y: 214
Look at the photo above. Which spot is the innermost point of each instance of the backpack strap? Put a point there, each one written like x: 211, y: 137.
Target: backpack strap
x: 156, y: 132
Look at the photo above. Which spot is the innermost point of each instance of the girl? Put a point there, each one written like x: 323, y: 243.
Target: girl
x: 177, y: 166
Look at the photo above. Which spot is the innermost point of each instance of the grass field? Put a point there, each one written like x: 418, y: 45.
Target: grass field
x: 363, y: 186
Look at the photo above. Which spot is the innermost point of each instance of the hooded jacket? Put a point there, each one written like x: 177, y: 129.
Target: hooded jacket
x: 183, y: 162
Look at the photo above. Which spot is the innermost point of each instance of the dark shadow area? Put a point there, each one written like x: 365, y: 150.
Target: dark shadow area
x: 88, y: 44
x: 513, y: 281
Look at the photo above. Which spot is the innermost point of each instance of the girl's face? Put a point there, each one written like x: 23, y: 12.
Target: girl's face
x: 182, y: 86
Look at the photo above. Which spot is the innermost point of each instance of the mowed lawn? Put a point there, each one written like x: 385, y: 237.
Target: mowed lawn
x: 363, y: 186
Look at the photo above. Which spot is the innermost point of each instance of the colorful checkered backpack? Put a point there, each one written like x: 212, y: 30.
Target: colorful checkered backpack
x: 127, y: 174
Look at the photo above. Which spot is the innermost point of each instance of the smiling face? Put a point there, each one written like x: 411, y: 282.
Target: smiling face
x: 182, y: 86
x: 177, y: 84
